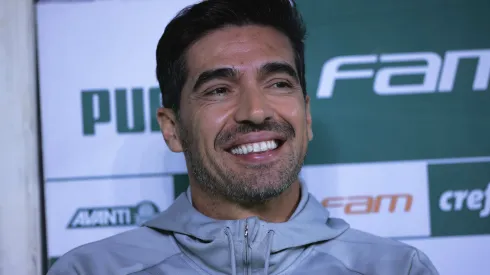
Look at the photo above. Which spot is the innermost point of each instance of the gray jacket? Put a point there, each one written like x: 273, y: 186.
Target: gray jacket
x: 182, y: 241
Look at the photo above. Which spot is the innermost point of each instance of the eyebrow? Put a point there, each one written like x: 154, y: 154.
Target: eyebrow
x: 218, y: 73
x: 277, y: 67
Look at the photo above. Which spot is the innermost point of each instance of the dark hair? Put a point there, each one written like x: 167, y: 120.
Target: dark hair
x: 195, y: 21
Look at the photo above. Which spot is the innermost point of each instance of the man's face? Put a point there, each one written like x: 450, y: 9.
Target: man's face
x: 244, y: 124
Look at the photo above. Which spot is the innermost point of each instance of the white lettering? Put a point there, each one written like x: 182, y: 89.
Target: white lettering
x: 444, y: 203
x: 435, y: 66
x: 474, y: 200
x: 460, y: 197
x: 102, y: 217
x: 124, y: 216
x: 482, y: 75
x: 382, y: 85
x: 80, y: 219
x: 330, y: 72
x: 486, y: 207
x: 111, y: 217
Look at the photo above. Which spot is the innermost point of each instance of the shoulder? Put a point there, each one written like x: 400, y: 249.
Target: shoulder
x: 366, y: 253
x: 127, y: 252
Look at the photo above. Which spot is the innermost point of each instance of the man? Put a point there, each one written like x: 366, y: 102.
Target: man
x: 232, y: 77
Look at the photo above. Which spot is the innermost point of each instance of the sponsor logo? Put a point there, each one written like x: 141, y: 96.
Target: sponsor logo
x: 133, y: 111
x: 476, y: 200
x: 116, y: 216
x: 439, y: 72
x: 460, y: 198
x: 371, y: 204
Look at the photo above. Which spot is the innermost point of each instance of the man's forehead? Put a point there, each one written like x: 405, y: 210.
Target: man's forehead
x: 241, y: 48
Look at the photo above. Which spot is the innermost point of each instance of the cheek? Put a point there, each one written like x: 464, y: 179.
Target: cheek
x: 208, y: 122
x: 296, y: 112
x: 293, y: 111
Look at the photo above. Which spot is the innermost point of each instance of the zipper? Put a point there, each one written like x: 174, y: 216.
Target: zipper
x: 246, y: 248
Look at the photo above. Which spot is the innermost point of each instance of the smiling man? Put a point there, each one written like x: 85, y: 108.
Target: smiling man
x: 232, y: 77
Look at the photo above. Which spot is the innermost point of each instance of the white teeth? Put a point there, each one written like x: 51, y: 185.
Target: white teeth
x: 254, y: 147
x: 263, y: 146
x: 248, y: 147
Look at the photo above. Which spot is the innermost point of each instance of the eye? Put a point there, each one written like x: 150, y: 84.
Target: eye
x: 218, y: 91
x: 281, y: 85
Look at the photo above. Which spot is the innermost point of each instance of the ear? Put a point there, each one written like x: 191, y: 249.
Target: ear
x: 308, y: 119
x: 168, y: 125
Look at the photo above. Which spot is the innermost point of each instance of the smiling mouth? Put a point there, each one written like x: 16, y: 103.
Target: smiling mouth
x: 256, y: 147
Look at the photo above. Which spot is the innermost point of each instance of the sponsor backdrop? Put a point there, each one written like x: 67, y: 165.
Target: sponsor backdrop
x: 401, y: 111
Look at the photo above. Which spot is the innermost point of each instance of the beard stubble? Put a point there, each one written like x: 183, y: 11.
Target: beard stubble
x: 255, y: 184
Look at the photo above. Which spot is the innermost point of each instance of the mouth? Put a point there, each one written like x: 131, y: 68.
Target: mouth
x: 256, y: 147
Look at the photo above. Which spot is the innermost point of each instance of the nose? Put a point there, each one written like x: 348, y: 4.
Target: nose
x: 253, y: 107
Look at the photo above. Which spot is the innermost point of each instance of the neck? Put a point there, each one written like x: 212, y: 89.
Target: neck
x: 276, y: 210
